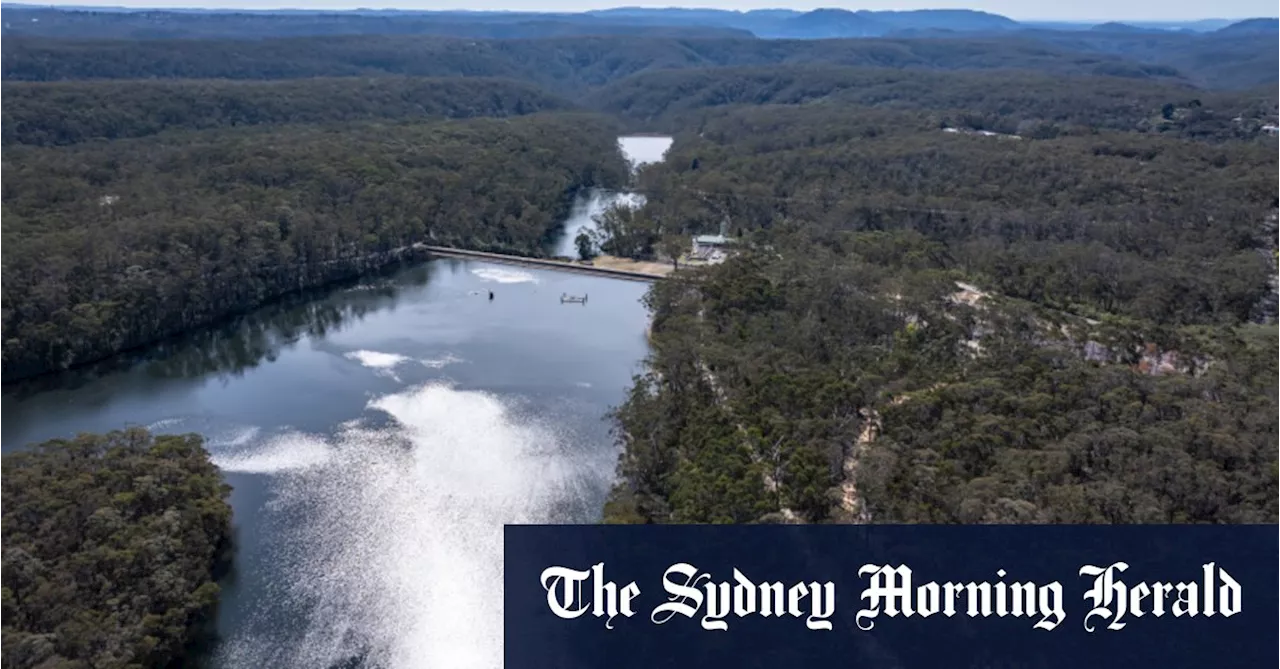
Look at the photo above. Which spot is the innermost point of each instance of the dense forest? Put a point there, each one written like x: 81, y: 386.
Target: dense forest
x: 824, y: 23
x: 980, y: 272
x: 141, y: 25
x: 71, y: 112
x: 842, y: 379
x: 1145, y: 226
x: 924, y: 326
x: 1005, y: 102
x: 1108, y: 196
x: 111, y: 546
x: 563, y: 65
x: 1226, y: 59
x: 1235, y: 57
x: 110, y: 245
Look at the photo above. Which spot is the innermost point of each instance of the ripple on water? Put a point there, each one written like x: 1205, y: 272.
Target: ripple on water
x: 377, y: 359
x: 442, y: 361
x: 285, y: 453
x: 165, y: 425
x: 385, y: 364
x: 503, y: 275
x: 233, y: 438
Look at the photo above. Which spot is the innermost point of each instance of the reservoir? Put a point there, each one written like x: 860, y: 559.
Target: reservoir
x: 377, y: 436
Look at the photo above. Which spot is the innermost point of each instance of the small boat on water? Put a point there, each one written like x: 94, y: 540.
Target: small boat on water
x: 571, y: 299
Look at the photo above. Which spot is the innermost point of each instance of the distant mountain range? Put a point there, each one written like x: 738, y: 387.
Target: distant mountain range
x: 131, y: 23
x: 1198, y: 26
x: 1253, y: 27
x: 1117, y: 27
x: 819, y: 23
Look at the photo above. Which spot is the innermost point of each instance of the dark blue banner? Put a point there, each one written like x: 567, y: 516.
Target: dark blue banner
x: 586, y: 597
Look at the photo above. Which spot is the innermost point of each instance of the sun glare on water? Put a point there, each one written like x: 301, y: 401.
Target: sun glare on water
x: 391, y: 536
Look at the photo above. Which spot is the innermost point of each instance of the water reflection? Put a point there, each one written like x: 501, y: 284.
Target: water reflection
x: 376, y: 437
x: 169, y: 379
x: 259, y: 337
x: 244, y: 342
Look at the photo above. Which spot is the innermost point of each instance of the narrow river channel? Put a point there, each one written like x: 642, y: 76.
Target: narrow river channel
x: 639, y: 151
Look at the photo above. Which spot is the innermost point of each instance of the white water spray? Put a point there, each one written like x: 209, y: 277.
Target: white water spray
x: 503, y: 275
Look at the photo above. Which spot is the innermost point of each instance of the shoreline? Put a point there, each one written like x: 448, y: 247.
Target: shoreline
x: 409, y: 255
x: 384, y: 261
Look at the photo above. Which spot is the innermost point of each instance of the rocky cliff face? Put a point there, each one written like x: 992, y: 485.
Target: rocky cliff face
x: 1266, y: 309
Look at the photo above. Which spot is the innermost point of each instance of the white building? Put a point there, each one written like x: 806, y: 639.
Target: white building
x: 710, y: 248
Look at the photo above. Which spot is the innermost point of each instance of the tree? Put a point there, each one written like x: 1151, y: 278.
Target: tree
x: 830, y: 368
x: 264, y: 211
x: 673, y: 247
x: 111, y: 547
x: 626, y: 232
x: 585, y: 246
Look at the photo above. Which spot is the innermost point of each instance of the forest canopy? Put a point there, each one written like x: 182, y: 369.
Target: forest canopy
x: 947, y: 327
x: 111, y: 546
x: 1148, y: 226
x: 561, y: 64
x: 1005, y: 102
x: 1005, y: 276
x: 1022, y: 276
x: 71, y: 112
x: 111, y: 245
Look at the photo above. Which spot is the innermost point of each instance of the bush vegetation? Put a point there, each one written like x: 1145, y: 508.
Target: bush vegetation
x: 111, y: 546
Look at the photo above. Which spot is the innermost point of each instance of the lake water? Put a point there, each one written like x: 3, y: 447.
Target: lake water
x: 377, y: 437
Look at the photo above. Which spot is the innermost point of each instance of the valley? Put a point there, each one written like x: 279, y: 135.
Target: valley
x: 398, y: 278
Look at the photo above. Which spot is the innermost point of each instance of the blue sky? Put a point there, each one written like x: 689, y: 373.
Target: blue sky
x: 1080, y: 10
